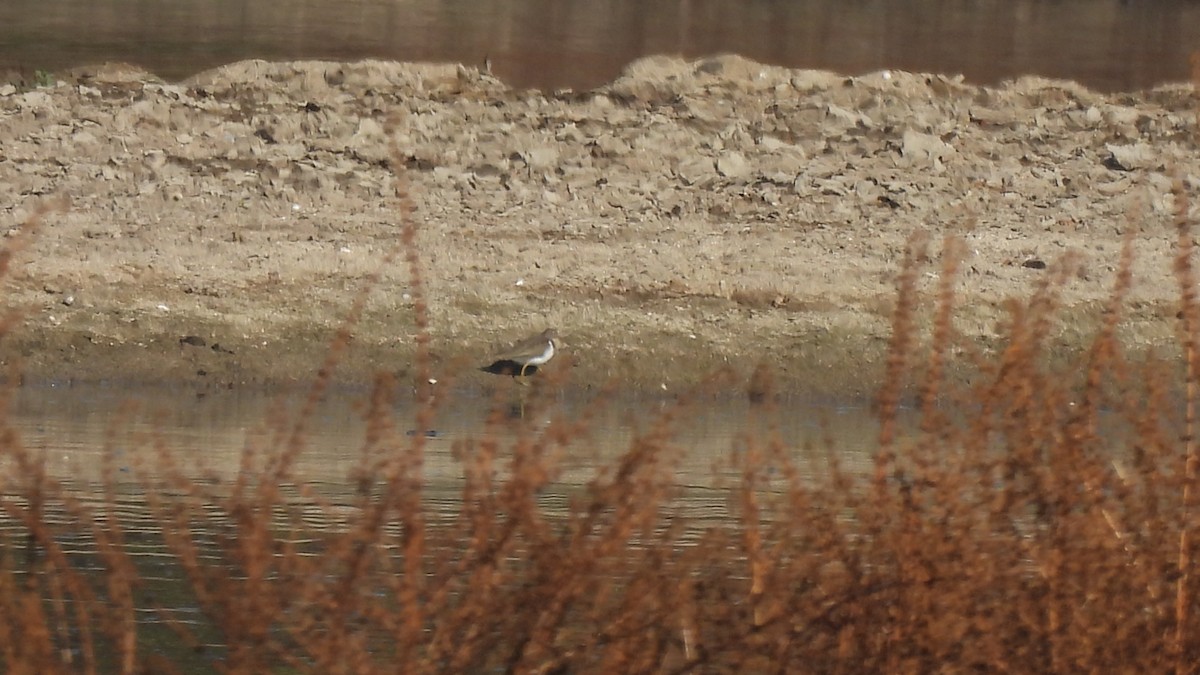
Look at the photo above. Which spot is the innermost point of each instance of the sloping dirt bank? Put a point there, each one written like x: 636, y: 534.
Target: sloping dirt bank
x: 689, y: 215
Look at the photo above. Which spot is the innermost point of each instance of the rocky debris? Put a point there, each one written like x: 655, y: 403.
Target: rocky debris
x: 1133, y: 157
x: 726, y: 135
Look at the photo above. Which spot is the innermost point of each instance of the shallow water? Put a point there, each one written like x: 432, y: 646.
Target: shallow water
x: 1111, y: 45
x: 207, y: 433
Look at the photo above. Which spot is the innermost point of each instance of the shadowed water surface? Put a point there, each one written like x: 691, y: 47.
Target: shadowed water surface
x: 207, y: 433
x: 1111, y: 45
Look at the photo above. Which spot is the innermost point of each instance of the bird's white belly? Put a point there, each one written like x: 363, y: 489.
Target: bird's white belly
x: 543, y: 357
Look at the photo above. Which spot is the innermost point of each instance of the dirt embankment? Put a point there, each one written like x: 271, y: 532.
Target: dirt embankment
x: 689, y: 215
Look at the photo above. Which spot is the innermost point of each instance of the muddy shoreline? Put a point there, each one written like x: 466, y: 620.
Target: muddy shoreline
x: 686, y: 217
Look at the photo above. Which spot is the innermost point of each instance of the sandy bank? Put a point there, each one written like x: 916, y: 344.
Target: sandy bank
x: 689, y: 215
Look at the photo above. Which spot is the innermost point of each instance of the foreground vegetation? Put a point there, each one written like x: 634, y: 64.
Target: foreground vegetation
x: 1037, y: 518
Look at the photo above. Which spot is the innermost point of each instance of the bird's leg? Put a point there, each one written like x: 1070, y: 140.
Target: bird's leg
x: 520, y: 376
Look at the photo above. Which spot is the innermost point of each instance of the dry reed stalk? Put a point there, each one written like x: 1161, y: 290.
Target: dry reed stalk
x: 282, y: 463
x: 1033, y: 400
x: 1194, y: 62
x: 1189, y: 324
x: 882, y: 514
x: 917, y: 551
x: 1104, y: 362
x: 14, y: 244
x: 65, y: 590
x: 403, y: 475
x: 175, y: 502
x: 899, y: 348
x: 120, y: 621
x: 953, y: 250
